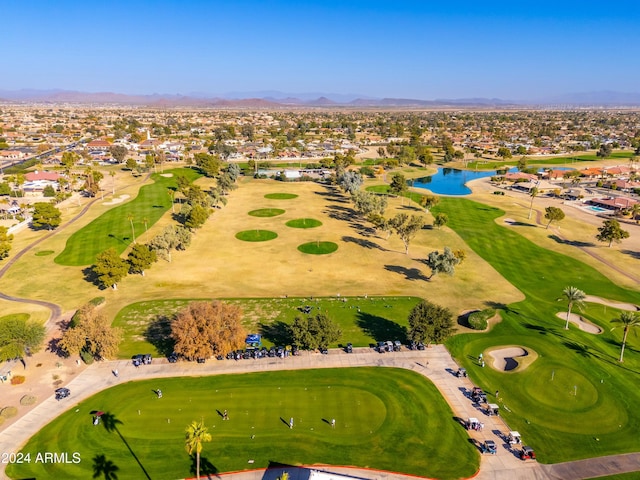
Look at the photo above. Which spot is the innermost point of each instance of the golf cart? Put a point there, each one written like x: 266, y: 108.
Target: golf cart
x: 462, y: 372
x: 526, y: 453
x: 473, y: 424
x: 514, y: 438
x: 349, y: 348
x: 489, y: 446
x: 62, y: 393
x: 478, y: 395
x: 493, y: 409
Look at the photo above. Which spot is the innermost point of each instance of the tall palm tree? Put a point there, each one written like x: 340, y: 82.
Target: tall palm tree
x: 196, y: 434
x: 574, y: 296
x: 627, y: 320
x: 533, y: 194
x: 130, y: 217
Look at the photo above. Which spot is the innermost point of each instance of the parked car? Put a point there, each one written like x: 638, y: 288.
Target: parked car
x: 173, y: 358
x: 62, y: 393
x: 397, y: 346
x: 382, y: 347
x: 141, y: 359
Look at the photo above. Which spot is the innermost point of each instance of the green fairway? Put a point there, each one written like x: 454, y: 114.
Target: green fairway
x: 576, y: 400
x: 281, y: 196
x: 304, y: 223
x: 388, y: 419
x: 318, y: 248
x: 266, y: 212
x: 363, y: 321
x: 113, y: 228
x: 256, y: 235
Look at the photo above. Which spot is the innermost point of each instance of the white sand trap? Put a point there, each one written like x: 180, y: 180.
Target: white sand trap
x: 510, y: 221
x: 609, y: 303
x: 580, y: 322
x: 506, y: 359
x: 166, y: 174
x: 115, y: 200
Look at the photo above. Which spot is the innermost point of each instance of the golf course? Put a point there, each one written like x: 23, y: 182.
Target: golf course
x: 277, y: 247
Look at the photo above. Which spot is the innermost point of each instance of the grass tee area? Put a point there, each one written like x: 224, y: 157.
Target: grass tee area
x: 576, y: 400
x: 113, y: 228
x: 386, y: 419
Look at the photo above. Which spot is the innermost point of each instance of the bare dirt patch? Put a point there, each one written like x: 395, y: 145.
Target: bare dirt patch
x: 510, y: 358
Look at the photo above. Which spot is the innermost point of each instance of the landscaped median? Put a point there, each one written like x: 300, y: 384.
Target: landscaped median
x: 387, y: 419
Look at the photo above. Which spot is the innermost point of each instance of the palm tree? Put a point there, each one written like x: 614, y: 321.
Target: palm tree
x: 130, y: 217
x: 112, y: 174
x: 635, y: 212
x: 627, y: 320
x: 574, y: 296
x: 533, y: 193
x: 196, y: 434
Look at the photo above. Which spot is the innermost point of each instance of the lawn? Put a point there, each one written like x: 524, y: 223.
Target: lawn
x: 304, y: 223
x: 256, y: 235
x: 114, y: 227
x: 266, y: 212
x: 388, y: 419
x: 575, y: 401
x: 318, y: 248
x: 363, y: 321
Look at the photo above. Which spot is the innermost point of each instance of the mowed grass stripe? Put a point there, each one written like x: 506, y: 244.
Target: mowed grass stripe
x: 386, y: 418
x: 113, y: 228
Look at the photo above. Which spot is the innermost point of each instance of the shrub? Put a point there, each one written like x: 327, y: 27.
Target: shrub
x: 479, y: 320
x: 97, y: 301
x: 8, y: 412
x: 86, y: 357
x: 28, y: 400
x: 17, y: 379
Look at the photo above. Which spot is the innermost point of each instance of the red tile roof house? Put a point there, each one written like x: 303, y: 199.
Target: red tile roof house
x: 614, y: 203
x: 98, y: 145
x: 34, y: 176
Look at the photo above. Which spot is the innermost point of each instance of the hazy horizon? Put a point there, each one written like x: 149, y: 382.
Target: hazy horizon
x: 404, y: 49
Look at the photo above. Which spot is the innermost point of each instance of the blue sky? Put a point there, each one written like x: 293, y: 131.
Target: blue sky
x: 403, y: 49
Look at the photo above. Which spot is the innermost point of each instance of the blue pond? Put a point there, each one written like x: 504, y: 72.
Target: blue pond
x: 449, y: 181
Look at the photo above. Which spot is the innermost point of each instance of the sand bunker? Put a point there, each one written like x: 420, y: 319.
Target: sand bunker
x: 115, y: 200
x: 507, y: 359
x: 166, y: 174
x: 609, y: 303
x: 580, y: 322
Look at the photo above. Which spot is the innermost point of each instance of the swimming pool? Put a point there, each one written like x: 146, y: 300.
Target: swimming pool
x: 597, y: 209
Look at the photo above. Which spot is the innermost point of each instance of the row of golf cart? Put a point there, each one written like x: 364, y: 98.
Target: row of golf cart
x: 513, y: 439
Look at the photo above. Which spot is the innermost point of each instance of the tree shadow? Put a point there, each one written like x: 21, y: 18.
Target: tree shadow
x: 464, y: 318
x: 206, y: 467
x: 277, y: 332
x: 573, y: 243
x: 110, y: 423
x: 632, y: 254
x: 53, y: 346
x: 497, y: 305
x: 580, y: 349
x: 158, y: 334
x: 104, y: 468
x: 91, y: 277
x: 522, y: 224
x: 363, y: 243
x: 409, y: 273
x: 380, y: 328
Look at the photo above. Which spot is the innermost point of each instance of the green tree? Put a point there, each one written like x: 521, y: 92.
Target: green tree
x: 208, y: 164
x: 49, y: 191
x: 628, y: 321
x: 407, y: 227
x: 45, y: 215
x: 553, y: 214
x: 611, y: 231
x: 110, y: 268
x: 429, y: 201
x: 444, y: 262
x: 69, y: 160
x: 196, y: 217
x: 533, y: 193
x: 314, y: 332
x: 440, y: 219
x: 573, y: 296
x: 195, y: 435
x: 140, y: 258
x: 605, y: 150
x: 398, y: 184
x: 131, y: 164
x: 19, y: 336
x: 430, y: 323
x: 366, y: 203
x: 5, y: 242
x: 504, y: 152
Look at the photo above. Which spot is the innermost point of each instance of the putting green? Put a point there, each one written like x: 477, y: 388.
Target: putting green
x: 304, y: 223
x: 383, y: 415
x: 266, y: 212
x: 281, y: 196
x: 256, y: 235
x: 318, y: 248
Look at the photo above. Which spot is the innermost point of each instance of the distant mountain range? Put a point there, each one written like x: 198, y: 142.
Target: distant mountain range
x: 276, y: 99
